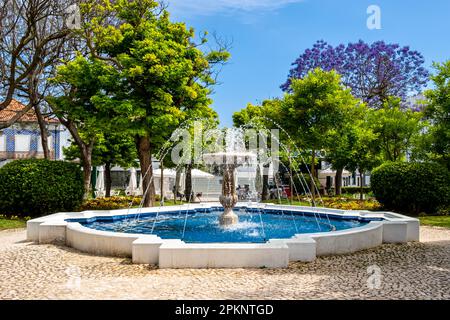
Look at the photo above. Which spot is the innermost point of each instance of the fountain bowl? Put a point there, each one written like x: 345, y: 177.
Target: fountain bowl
x: 266, y: 235
x: 231, y: 158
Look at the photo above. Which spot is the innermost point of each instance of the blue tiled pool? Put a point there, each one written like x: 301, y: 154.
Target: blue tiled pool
x: 202, y: 226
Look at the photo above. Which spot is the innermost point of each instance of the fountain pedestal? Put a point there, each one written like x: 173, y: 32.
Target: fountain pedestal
x: 228, y: 217
x: 229, y: 161
x: 229, y: 198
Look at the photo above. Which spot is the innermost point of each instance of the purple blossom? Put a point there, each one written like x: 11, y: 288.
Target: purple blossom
x: 374, y: 72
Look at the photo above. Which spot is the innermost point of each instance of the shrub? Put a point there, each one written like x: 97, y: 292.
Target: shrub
x: 411, y: 187
x: 33, y: 188
x: 113, y: 203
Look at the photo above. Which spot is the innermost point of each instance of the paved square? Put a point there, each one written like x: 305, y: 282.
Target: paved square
x: 410, y: 271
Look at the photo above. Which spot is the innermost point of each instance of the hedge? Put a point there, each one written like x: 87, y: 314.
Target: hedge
x: 113, y: 203
x: 33, y: 188
x: 412, y: 187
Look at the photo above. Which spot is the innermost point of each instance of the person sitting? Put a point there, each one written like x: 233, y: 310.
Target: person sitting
x: 177, y: 193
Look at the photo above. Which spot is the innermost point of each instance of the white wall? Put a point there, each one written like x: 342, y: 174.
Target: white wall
x: 50, y: 143
x: 2, y: 142
x: 65, y: 138
x: 22, y: 143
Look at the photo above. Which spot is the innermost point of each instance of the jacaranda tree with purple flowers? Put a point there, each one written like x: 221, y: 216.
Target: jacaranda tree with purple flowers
x: 374, y: 72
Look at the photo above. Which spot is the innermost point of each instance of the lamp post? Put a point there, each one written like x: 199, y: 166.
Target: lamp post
x: 93, y: 180
x: 55, y: 144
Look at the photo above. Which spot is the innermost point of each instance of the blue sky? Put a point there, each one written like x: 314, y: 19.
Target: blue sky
x: 267, y: 36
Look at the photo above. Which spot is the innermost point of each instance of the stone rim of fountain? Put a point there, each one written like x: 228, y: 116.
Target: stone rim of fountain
x: 65, y: 228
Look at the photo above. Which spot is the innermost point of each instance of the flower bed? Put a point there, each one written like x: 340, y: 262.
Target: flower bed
x: 351, y: 204
x: 111, y: 203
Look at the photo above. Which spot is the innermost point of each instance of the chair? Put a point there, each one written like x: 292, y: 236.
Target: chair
x: 115, y: 193
x: 100, y: 193
x: 134, y: 193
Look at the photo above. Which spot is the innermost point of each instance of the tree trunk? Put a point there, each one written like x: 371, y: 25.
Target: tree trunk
x: 313, y: 175
x: 188, y: 183
x: 108, y: 181
x: 291, y: 179
x: 86, y: 159
x: 86, y: 152
x: 44, y: 132
x: 265, y: 182
x: 87, y: 171
x: 177, y: 185
x: 162, y: 183
x: 361, y: 176
x: 145, y: 158
x: 338, y: 182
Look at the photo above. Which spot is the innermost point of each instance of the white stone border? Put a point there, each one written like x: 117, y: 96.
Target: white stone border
x: 276, y: 253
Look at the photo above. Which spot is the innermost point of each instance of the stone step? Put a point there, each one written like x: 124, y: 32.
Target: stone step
x: 223, y: 255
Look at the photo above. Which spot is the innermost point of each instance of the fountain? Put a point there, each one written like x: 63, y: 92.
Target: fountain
x: 229, y: 161
x: 204, y: 235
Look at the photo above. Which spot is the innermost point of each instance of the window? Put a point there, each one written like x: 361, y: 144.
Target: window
x: 22, y: 143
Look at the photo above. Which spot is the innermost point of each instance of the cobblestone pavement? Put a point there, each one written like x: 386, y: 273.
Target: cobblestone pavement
x: 411, y: 271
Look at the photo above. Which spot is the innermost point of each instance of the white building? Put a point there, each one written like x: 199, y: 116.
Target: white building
x: 22, y: 140
x: 327, y: 178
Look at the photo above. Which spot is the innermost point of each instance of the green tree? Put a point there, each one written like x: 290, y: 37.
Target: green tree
x: 341, y: 144
x: 110, y: 149
x: 396, y: 129
x: 259, y: 117
x: 198, y: 142
x: 438, y: 112
x: 78, y: 82
x: 162, y: 75
x: 317, y: 105
x: 255, y: 115
x: 365, y: 150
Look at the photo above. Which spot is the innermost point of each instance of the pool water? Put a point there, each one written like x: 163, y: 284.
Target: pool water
x: 203, y: 226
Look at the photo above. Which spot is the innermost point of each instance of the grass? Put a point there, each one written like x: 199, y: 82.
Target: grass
x: 11, y: 223
x: 435, y: 221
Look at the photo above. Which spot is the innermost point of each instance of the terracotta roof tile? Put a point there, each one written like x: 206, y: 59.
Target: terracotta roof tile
x: 14, y: 107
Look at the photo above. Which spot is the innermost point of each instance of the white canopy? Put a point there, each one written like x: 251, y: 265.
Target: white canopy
x: 330, y: 171
x: 132, y: 184
x: 196, y: 173
x: 100, y: 184
x: 172, y: 173
x: 168, y: 173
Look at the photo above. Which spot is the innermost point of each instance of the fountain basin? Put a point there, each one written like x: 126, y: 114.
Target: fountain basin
x: 112, y: 233
x: 203, y: 226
